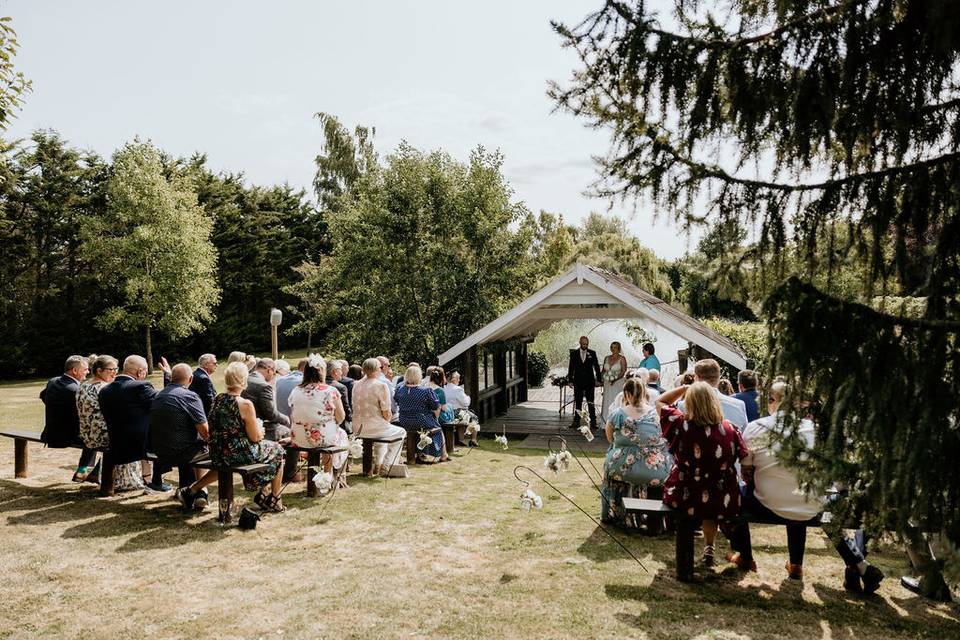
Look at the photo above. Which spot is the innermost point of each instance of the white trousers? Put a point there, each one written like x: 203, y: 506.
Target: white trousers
x: 383, y: 453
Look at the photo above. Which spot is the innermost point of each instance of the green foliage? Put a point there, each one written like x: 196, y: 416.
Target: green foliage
x: 425, y: 249
x: 639, y: 335
x: 153, y: 244
x: 831, y: 133
x: 13, y: 84
x: 537, y: 368
x: 556, y: 341
x: 750, y: 336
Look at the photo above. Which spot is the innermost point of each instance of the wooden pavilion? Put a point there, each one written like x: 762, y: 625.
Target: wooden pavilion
x: 493, y: 359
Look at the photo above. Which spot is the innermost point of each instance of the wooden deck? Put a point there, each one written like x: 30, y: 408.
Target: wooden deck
x: 539, y: 415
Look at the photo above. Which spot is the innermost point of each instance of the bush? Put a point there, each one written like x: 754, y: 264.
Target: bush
x: 537, y: 368
x: 749, y: 336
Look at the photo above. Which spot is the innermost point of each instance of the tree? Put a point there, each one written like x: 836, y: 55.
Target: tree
x: 13, y: 84
x: 425, y: 250
x: 153, y: 244
x: 788, y: 117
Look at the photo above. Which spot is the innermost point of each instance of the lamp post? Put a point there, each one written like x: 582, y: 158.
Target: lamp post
x: 276, y: 317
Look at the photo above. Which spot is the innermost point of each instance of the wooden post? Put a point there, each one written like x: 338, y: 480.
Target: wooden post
x: 106, y: 475
x: 412, y: 439
x: 367, y: 456
x: 20, y: 458
x: 684, y: 551
x: 448, y: 436
x: 225, y: 494
x: 500, y: 377
x: 472, y: 382
x: 522, y: 364
x: 314, y: 460
x: 274, y: 347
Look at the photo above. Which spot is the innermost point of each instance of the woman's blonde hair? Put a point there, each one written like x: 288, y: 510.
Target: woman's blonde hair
x: 778, y: 391
x: 235, y: 376
x: 701, y: 405
x: 637, y: 391
x: 371, y: 365
x: 236, y: 356
x: 413, y: 375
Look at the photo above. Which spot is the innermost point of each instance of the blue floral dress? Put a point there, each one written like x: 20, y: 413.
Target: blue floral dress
x: 639, y: 456
x: 417, y: 405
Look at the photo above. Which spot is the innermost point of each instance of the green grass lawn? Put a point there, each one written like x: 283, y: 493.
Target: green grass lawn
x: 444, y: 553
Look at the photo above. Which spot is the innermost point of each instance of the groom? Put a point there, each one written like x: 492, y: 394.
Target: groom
x: 584, y: 374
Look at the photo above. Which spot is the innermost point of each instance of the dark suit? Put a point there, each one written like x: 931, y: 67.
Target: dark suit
x: 62, y: 424
x: 261, y: 394
x: 202, y: 385
x: 585, y: 374
x: 125, y: 404
x: 345, y: 401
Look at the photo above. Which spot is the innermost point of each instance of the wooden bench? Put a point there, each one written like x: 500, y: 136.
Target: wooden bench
x: 21, y: 457
x: 314, y: 460
x: 452, y: 432
x: 368, y: 450
x: 225, y: 483
x: 686, y: 527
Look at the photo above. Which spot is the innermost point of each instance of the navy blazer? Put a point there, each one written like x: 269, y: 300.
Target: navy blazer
x: 61, y: 422
x: 584, y: 373
x: 202, y: 385
x: 125, y: 404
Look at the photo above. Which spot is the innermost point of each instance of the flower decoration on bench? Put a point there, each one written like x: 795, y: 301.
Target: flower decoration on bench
x: 529, y: 499
x: 323, y: 481
x: 558, y: 461
x: 473, y: 428
x: 356, y: 448
x: 502, y: 440
x: 425, y: 440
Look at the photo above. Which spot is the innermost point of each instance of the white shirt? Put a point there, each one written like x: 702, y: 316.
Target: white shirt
x: 733, y: 410
x: 583, y: 355
x: 456, y: 396
x: 776, y: 486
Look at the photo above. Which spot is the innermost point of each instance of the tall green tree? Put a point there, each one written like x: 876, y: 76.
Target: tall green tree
x: 789, y: 116
x: 13, y: 84
x: 153, y: 244
x: 425, y: 250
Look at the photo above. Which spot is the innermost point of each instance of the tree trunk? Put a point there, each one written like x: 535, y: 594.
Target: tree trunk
x: 309, y: 336
x: 149, y: 352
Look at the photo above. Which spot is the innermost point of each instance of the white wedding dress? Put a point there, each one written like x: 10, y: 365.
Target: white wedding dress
x: 610, y: 391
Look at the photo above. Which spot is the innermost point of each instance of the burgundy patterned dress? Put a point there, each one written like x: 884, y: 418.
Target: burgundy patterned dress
x: 703, y: 481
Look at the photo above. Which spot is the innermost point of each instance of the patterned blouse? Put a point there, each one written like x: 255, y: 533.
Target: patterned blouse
x: 93, y: 428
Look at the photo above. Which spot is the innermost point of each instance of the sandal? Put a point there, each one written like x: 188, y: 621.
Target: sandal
x: 708, y: 560
x: 273, y: 504
x: 261, y: 500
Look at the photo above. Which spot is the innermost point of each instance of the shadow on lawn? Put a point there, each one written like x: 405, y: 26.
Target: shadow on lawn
x: 719, y: 595
x: 154, y: 524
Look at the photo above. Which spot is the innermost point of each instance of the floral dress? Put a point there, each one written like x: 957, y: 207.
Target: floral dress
x: 703, y: 481
x: 230, y: 445
x: 417, y: 405
x: 637, y: 457
x: 312, y: 420
x: 93, y: 432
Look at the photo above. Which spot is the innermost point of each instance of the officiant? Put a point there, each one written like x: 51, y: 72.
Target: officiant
x: 584, y: 374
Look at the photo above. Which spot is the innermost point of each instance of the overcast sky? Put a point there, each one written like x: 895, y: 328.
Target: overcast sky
x: 241, y: 80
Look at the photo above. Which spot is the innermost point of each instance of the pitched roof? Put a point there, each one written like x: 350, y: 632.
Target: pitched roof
x: 589, y: 292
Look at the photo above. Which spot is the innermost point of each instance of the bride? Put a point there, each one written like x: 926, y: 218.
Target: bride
x: 614, y: 369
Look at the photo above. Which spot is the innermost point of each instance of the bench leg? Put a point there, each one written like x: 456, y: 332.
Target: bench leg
x: 412, y: 439
x: 448, y: 432
x: 685, y: 528
x: 19, y: 458
x: 225, y: 494
x: 106, y: 474
x: 313, y: 467
x: 367, y: 457
x: 461, y: 434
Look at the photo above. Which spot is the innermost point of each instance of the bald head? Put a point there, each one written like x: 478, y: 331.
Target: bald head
x: 181, y: 374
x: 653, y: 376
x: 135, y: 367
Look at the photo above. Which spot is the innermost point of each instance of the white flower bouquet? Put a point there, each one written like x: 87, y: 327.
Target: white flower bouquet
x: 356, y: 448
x: 529, y: 499
x: 323, y: 481
x: 558, y: 462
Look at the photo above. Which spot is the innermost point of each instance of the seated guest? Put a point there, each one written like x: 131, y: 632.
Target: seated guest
x: 747, y: 381
x: 355, y: 372
x: 371, y: 417
x: 653, y: 381
x: 260, y: 392
x: 62, y: 424
x: 343, y: 367
x: 315, y: 411
x: 437, y: 381
x: 286, y: 384
x: 202, y: 385
x: 179, y: 434
x: 734, y: 410
x: 93, y: 428
x: 283, y: 368
x: 237, y: 439
x: 333, y: 380
x: 773, y: 493
x: 726, y: 388
x: 459, y: 401
x: 419, y: 408
x: 638, y: 454
x: 251, y: 362
x: 706, y: 448
x: 650, y: 361
x: 387, y: 376
x: 125, y: 404
x: 236, y: 356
